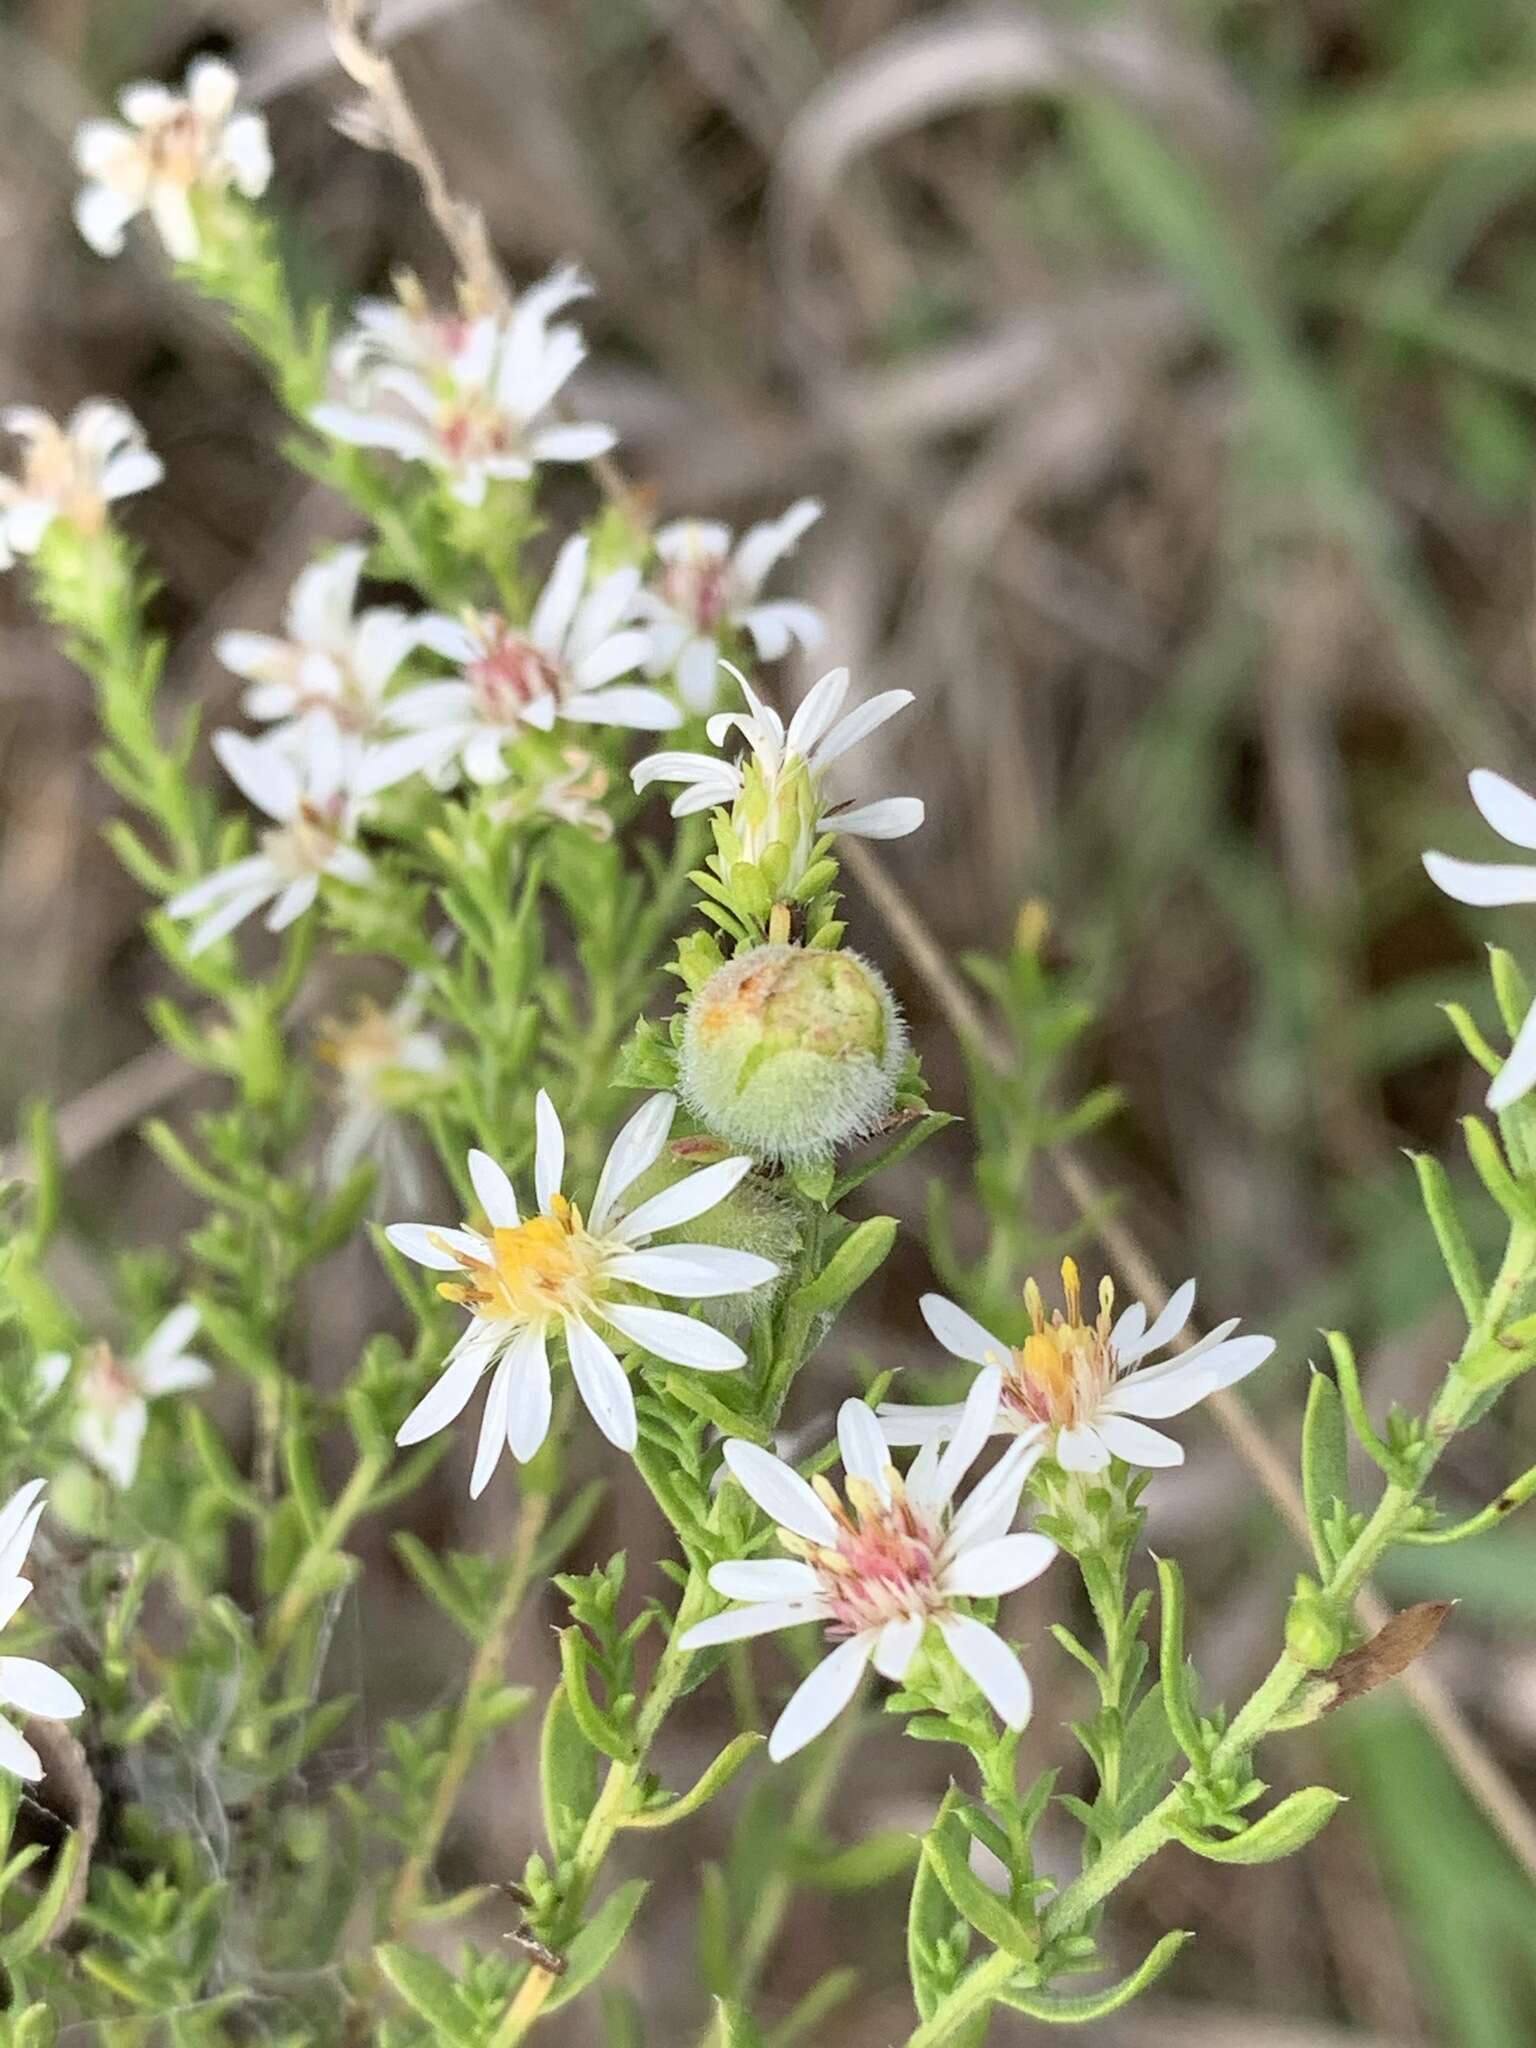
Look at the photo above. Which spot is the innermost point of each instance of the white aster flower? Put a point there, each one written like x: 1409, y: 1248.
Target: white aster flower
x: 558, y: 1274
x: 878, y: 1571
x: 1080, y: 1390
x: 707, y: 588
x: 335, y: 662
x: 72, y: 471
x: 380, y: 1057
x: 26, y: 1685
x: 112, y: 1394
x: 1491, y: 885
x: 564, y: 664
x: 775, y: 789
x: 168, y: 148
x: 474, y: 402
x: 316, y: 799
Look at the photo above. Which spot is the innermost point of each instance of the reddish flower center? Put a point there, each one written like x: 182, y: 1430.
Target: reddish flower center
x: 698, y: 584
x: 884, y: 1564
x: 508, y: 676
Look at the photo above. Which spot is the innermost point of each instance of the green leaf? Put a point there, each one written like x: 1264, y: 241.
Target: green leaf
x: 430, y: 1991
x: 1098, y: 2005
x: 937, y: 1942
x: 1281, y: 1832
x: 1455, y: 1246
x: 947, y: 1848
x: 862, y: 1253
x: 709, y: 1782
x: 568, y: 1781
x: 1176, y: 1683
x: 597, y: 1943
x: 594, y: 1724
x: 39, y: 1923
x: 1483, y: 1149
x: 1324, y: 1462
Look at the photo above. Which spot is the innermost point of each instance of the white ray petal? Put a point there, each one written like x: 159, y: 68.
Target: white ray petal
x: 531, y: 1399
x: 764, y: 1578
x: 549, y: 1152
x: 32, y: 1687
x: 780, y: 1491
x: 430, y: 1244
x: 906, y: 1424
x: 448, y: 1396
x: 17, y: 1754
x: 760, y: 1619
x: 493, y: 1429
x: 1137, y: 1444
x: 694, y: 1272
x: 683, y: 1201
x: 1487, y: 884
x: 1518, y: 1072
x: 601, y: 1382
x: 1507, y: 807
x: 633, y: 1152
x: 1175, y: 1315
x: 818, y: 1700
x: 897, y: 1646
x: 1081, y: 1450
x: 493, y: 1191
x: 678, y: 1339
x: 989, y: 1663
x: 978, y: 1418
x: 961, y: 1335
x: 865, y: 1452
x: 991, y: 1569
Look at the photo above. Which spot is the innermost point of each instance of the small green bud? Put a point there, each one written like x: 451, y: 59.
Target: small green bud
x: 1314, y: 1630
x: 790, y: 1051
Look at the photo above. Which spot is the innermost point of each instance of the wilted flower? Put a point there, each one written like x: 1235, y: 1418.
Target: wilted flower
x: 524, y: 1282
x: 563, y: 664
x: 379, y: 1055
x: 470, y: 398
x: 112, y: 1394
x: 707, y: 588
x: 791, y: 1051
x: 1488, y: 885
x: 167, y: 149
x: 1079, y: 1389
x: 25, y: 1685
x: 775, y: 791
x: 899, y: 1556
x: 315, y: 799
x: 335, y: 662
x: 71, y: 472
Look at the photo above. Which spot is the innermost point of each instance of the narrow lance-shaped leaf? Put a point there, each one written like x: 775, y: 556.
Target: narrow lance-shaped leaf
x: 1455, y: 1246
x: 1280, y: 1832
x: 1098, y: 2005
x: 1324, y: 1462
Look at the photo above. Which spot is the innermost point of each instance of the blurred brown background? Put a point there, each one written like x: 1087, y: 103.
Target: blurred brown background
x: 1190, y: 492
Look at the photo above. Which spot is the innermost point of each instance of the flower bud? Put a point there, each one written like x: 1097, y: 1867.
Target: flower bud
x: 1314, y: 1630
x: 752, y: 1218
x: 790, y: 1051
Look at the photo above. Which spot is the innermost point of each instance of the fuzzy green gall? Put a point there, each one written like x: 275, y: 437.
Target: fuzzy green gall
x: 790, y: 1052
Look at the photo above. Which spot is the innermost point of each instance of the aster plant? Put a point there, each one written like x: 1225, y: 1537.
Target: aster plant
x: 646, y: 1017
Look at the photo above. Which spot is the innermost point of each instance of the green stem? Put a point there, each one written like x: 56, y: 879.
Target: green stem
x: 309, y: 1574
x: 614, y: 1805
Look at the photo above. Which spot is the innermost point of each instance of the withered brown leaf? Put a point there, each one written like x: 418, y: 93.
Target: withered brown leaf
x: 1388, y: 1653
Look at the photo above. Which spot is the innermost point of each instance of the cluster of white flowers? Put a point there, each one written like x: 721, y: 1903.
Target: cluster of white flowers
x: 70, y: 471
x: 469, y: 397
x: 169, y: 151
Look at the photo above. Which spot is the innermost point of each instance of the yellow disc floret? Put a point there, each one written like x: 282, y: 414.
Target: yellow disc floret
x: 539, y: 1269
